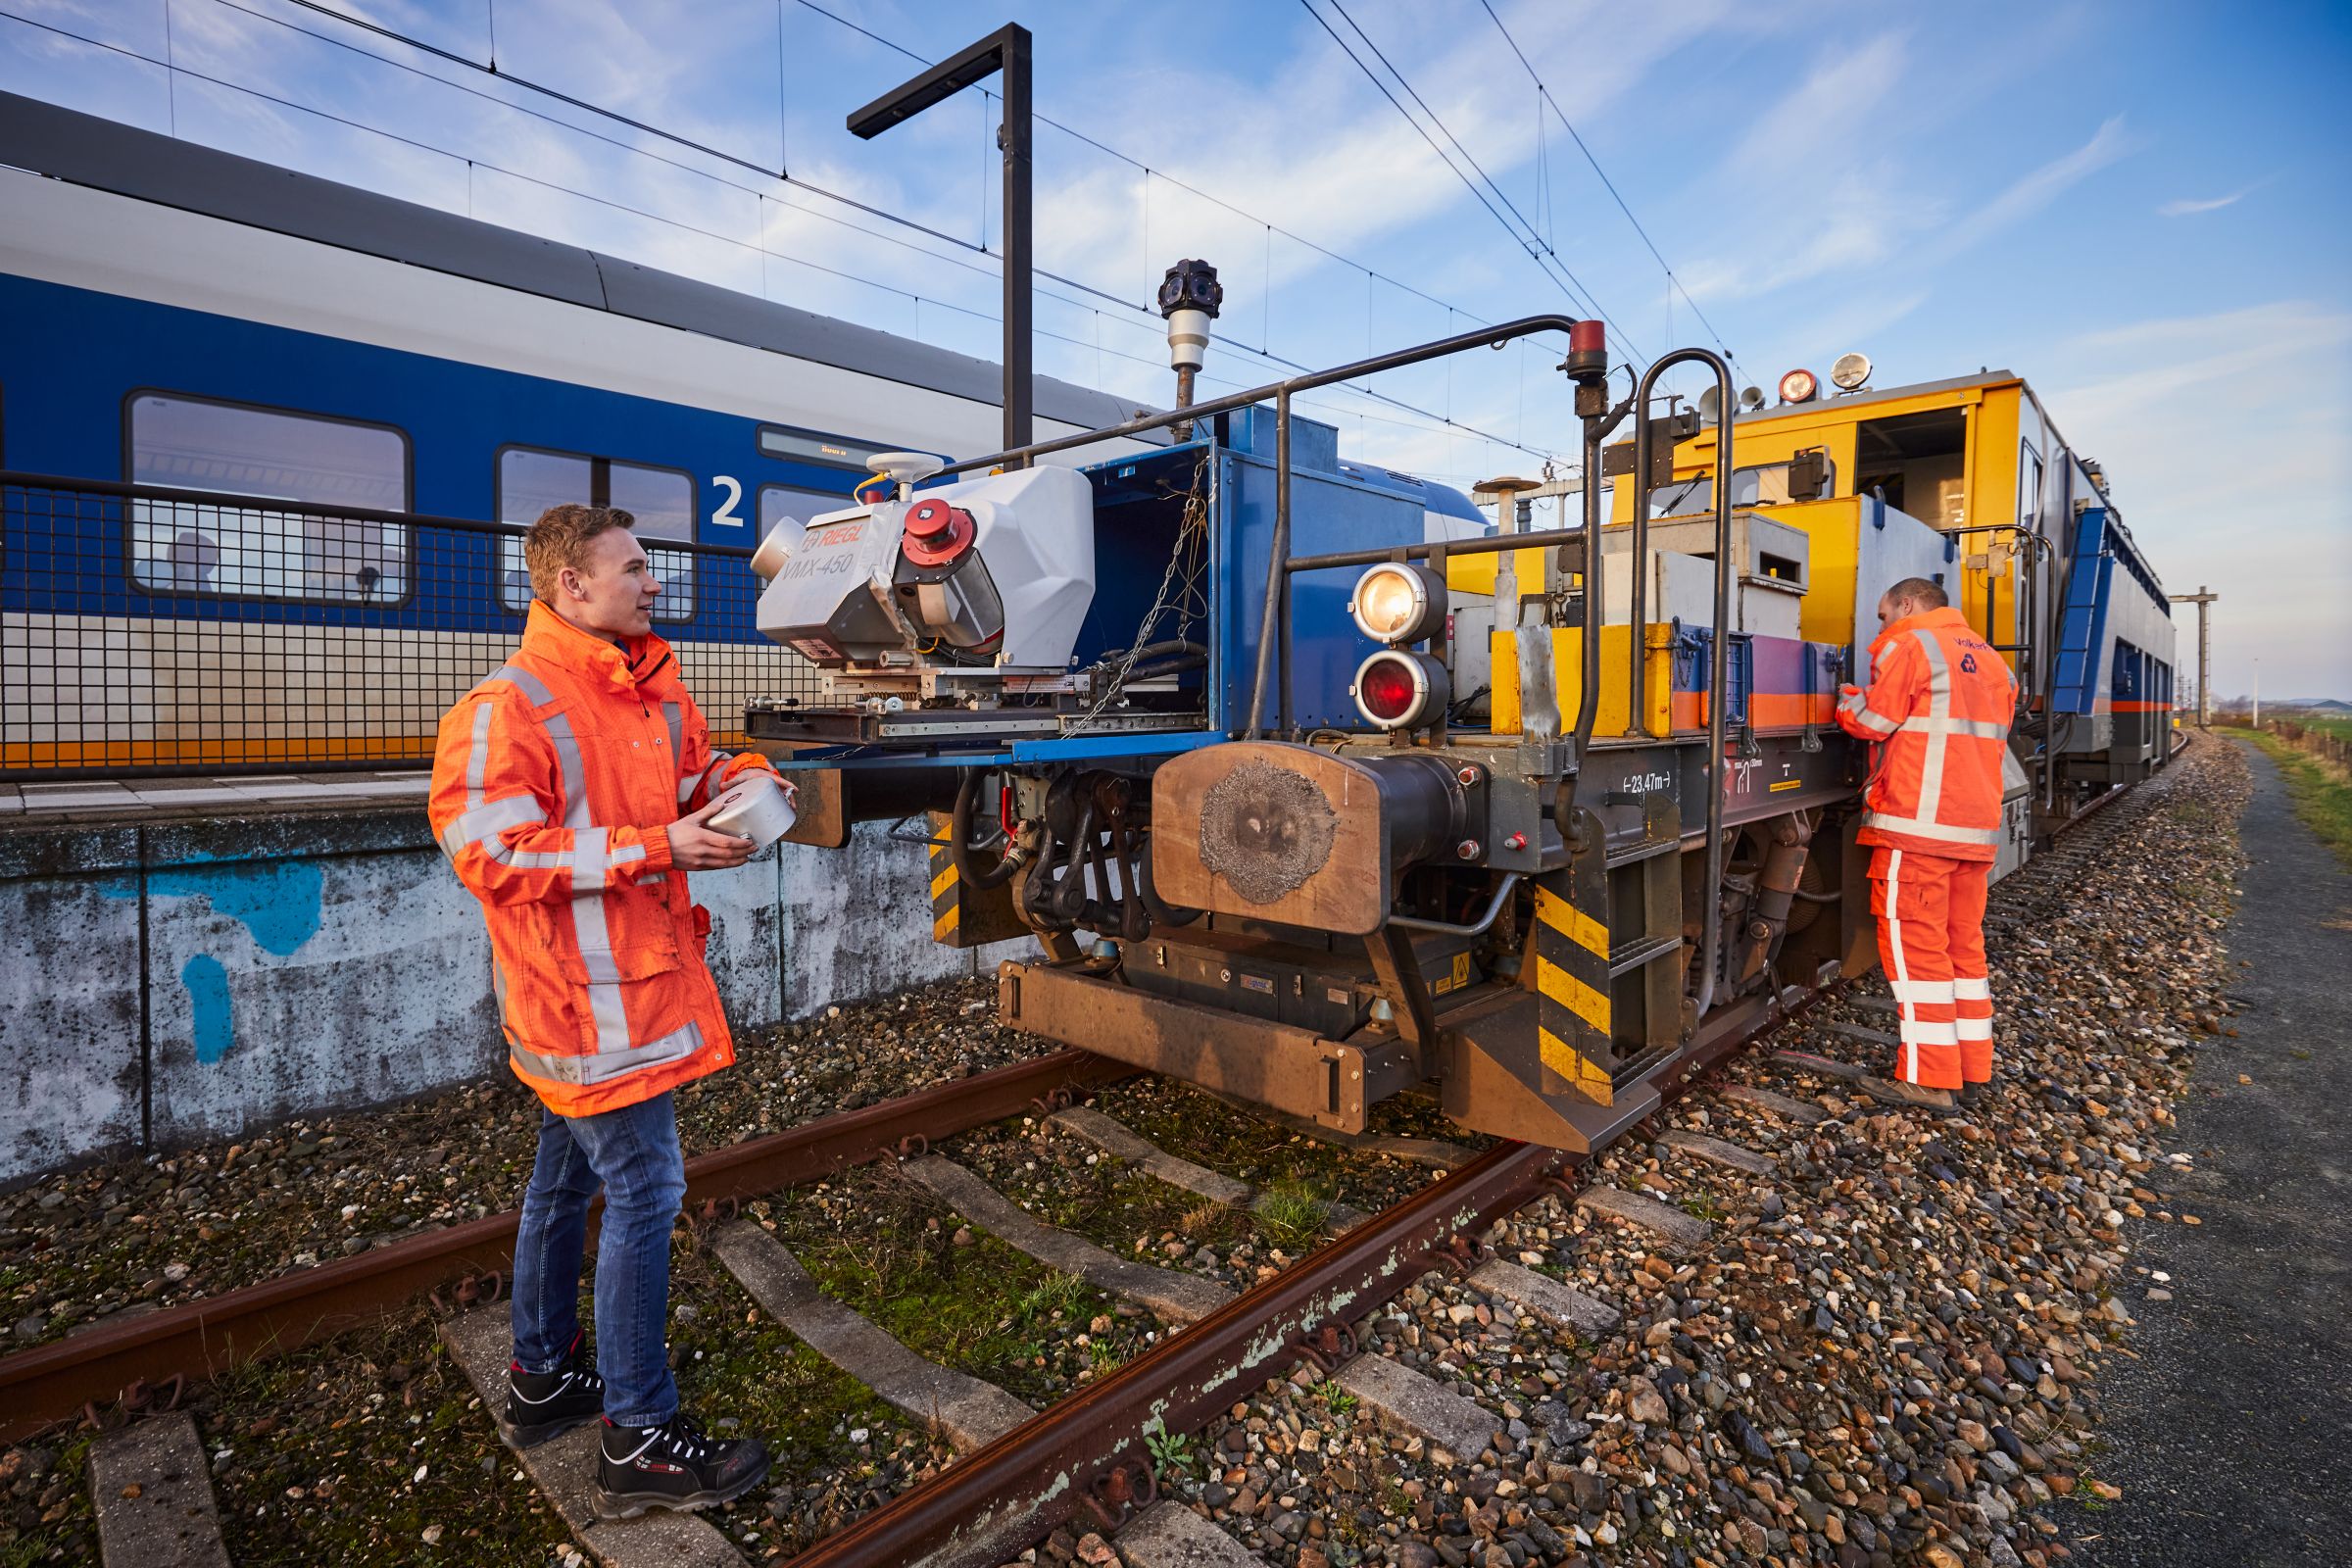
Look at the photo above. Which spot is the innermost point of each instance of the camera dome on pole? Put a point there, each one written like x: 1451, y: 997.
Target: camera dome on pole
x: 1188, y: 298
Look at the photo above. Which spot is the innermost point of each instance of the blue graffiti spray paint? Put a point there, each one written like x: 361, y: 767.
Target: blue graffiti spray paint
x: 208, y: 994
x: 281, y: 904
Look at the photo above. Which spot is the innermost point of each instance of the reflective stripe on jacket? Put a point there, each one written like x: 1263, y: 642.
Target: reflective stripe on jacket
x: 553, y: 783
x: 1939, y: 703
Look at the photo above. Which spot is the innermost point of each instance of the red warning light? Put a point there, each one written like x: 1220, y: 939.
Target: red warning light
x: 1396, y: 689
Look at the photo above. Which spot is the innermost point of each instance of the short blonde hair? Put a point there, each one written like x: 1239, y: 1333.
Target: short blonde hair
x: 561, y: 538
x: 1920, y: 591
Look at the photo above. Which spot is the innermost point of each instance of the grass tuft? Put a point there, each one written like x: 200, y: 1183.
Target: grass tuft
x: 1292, y: 1212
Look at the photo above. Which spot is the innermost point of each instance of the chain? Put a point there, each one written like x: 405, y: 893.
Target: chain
x: 1181, y: 592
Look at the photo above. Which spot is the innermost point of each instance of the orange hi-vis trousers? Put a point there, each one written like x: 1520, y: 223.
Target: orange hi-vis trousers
x: 1931, y: 913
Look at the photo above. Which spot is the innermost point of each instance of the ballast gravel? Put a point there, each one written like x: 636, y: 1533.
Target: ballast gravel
x: 1886, y: 1351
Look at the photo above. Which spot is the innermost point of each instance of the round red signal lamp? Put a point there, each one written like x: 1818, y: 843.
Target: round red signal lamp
x: 1799, y: 386
x: 1399, y: 689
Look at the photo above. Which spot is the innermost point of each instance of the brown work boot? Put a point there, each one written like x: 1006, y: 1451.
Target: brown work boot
x: 1908, y: 1097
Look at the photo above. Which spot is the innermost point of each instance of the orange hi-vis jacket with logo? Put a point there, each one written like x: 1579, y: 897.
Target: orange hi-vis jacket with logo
x: 1940, y: 701
x: 553, y: 783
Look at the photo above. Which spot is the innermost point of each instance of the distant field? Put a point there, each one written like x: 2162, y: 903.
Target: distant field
x: 2321, y: 791
x: 2339, y: 727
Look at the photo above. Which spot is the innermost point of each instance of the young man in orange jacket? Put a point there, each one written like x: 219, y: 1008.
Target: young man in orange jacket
x: 1938, y: 705
x: 571, y: 791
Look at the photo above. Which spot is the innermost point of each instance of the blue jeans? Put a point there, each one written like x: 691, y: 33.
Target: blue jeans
x: 633, y: 1153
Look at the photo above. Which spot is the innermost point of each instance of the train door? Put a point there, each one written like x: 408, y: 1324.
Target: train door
x: 2127, y: 698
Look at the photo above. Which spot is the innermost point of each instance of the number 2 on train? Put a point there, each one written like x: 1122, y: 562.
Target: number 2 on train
x: 725, y: 515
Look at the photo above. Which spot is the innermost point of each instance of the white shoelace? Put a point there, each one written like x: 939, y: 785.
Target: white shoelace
x: 680, y: 1440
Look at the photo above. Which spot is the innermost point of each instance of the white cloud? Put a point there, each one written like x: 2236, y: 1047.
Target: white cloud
x: 2187, y: 207
x: 2036, y: 190
x: 1809, y: 193
x: 1328, y: 156
x: 2226, y: 440
x: 1853, y: 225
x: 1813, y: 121
x: 2184, y: 208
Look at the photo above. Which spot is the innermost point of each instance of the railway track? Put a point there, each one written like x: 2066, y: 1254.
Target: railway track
x: 1090, y: 1459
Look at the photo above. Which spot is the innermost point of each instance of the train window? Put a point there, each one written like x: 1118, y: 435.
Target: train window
x: 2029, y: 487
x: 780, y: 501
x: 266, y: 552
x: 531, y: 480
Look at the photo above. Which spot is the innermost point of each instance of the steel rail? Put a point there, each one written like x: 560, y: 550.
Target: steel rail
x: 1007, y: 1496
x: 207, y: 1337
x: 990, y: 1505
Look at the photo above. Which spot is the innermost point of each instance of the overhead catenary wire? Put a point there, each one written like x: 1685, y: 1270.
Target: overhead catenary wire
x: 1155, y: 172
x: 353, y: 19
x: 1524, y: 231
x: 1544, y: 99
x: 784, y: 176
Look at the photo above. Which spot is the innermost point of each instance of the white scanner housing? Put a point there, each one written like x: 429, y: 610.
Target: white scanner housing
x: 994, y: 574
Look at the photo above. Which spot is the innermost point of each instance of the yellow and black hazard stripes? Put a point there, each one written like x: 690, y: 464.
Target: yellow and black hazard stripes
x: 962, y: 915
x: 1571, y: 951
x: 946, y: 906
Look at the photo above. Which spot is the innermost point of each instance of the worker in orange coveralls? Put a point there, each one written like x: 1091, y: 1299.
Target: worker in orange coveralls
x: 572, y: 790
x: 1939, y: 706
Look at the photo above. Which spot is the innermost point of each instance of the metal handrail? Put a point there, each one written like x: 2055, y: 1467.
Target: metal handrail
x: 1282, y: 566
x: 1274, y: 619
x: 1719, y: 670
x: 1492, y: 544
x: 1492, y: 337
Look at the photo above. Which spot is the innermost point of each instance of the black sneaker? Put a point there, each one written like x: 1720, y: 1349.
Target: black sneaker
x: 672, y: 1466
x: 547, y: 1404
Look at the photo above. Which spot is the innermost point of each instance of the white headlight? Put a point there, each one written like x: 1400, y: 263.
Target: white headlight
x: 1399, y: 602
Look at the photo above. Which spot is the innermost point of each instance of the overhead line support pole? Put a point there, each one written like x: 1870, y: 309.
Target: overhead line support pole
x: 2201, y: 598
x: 1006, y: 50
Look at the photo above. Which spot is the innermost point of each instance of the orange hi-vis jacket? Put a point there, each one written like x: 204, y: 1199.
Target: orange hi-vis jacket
x: 1939, y: 700
x: 553, y: 783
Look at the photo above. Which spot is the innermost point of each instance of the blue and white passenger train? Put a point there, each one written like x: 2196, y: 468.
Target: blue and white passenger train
x: 181, y: 317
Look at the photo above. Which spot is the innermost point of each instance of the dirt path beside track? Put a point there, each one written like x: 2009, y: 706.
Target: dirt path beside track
x: 2231, y: 1434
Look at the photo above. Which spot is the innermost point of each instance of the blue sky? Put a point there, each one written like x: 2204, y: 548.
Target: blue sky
x: 2144, y: 209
